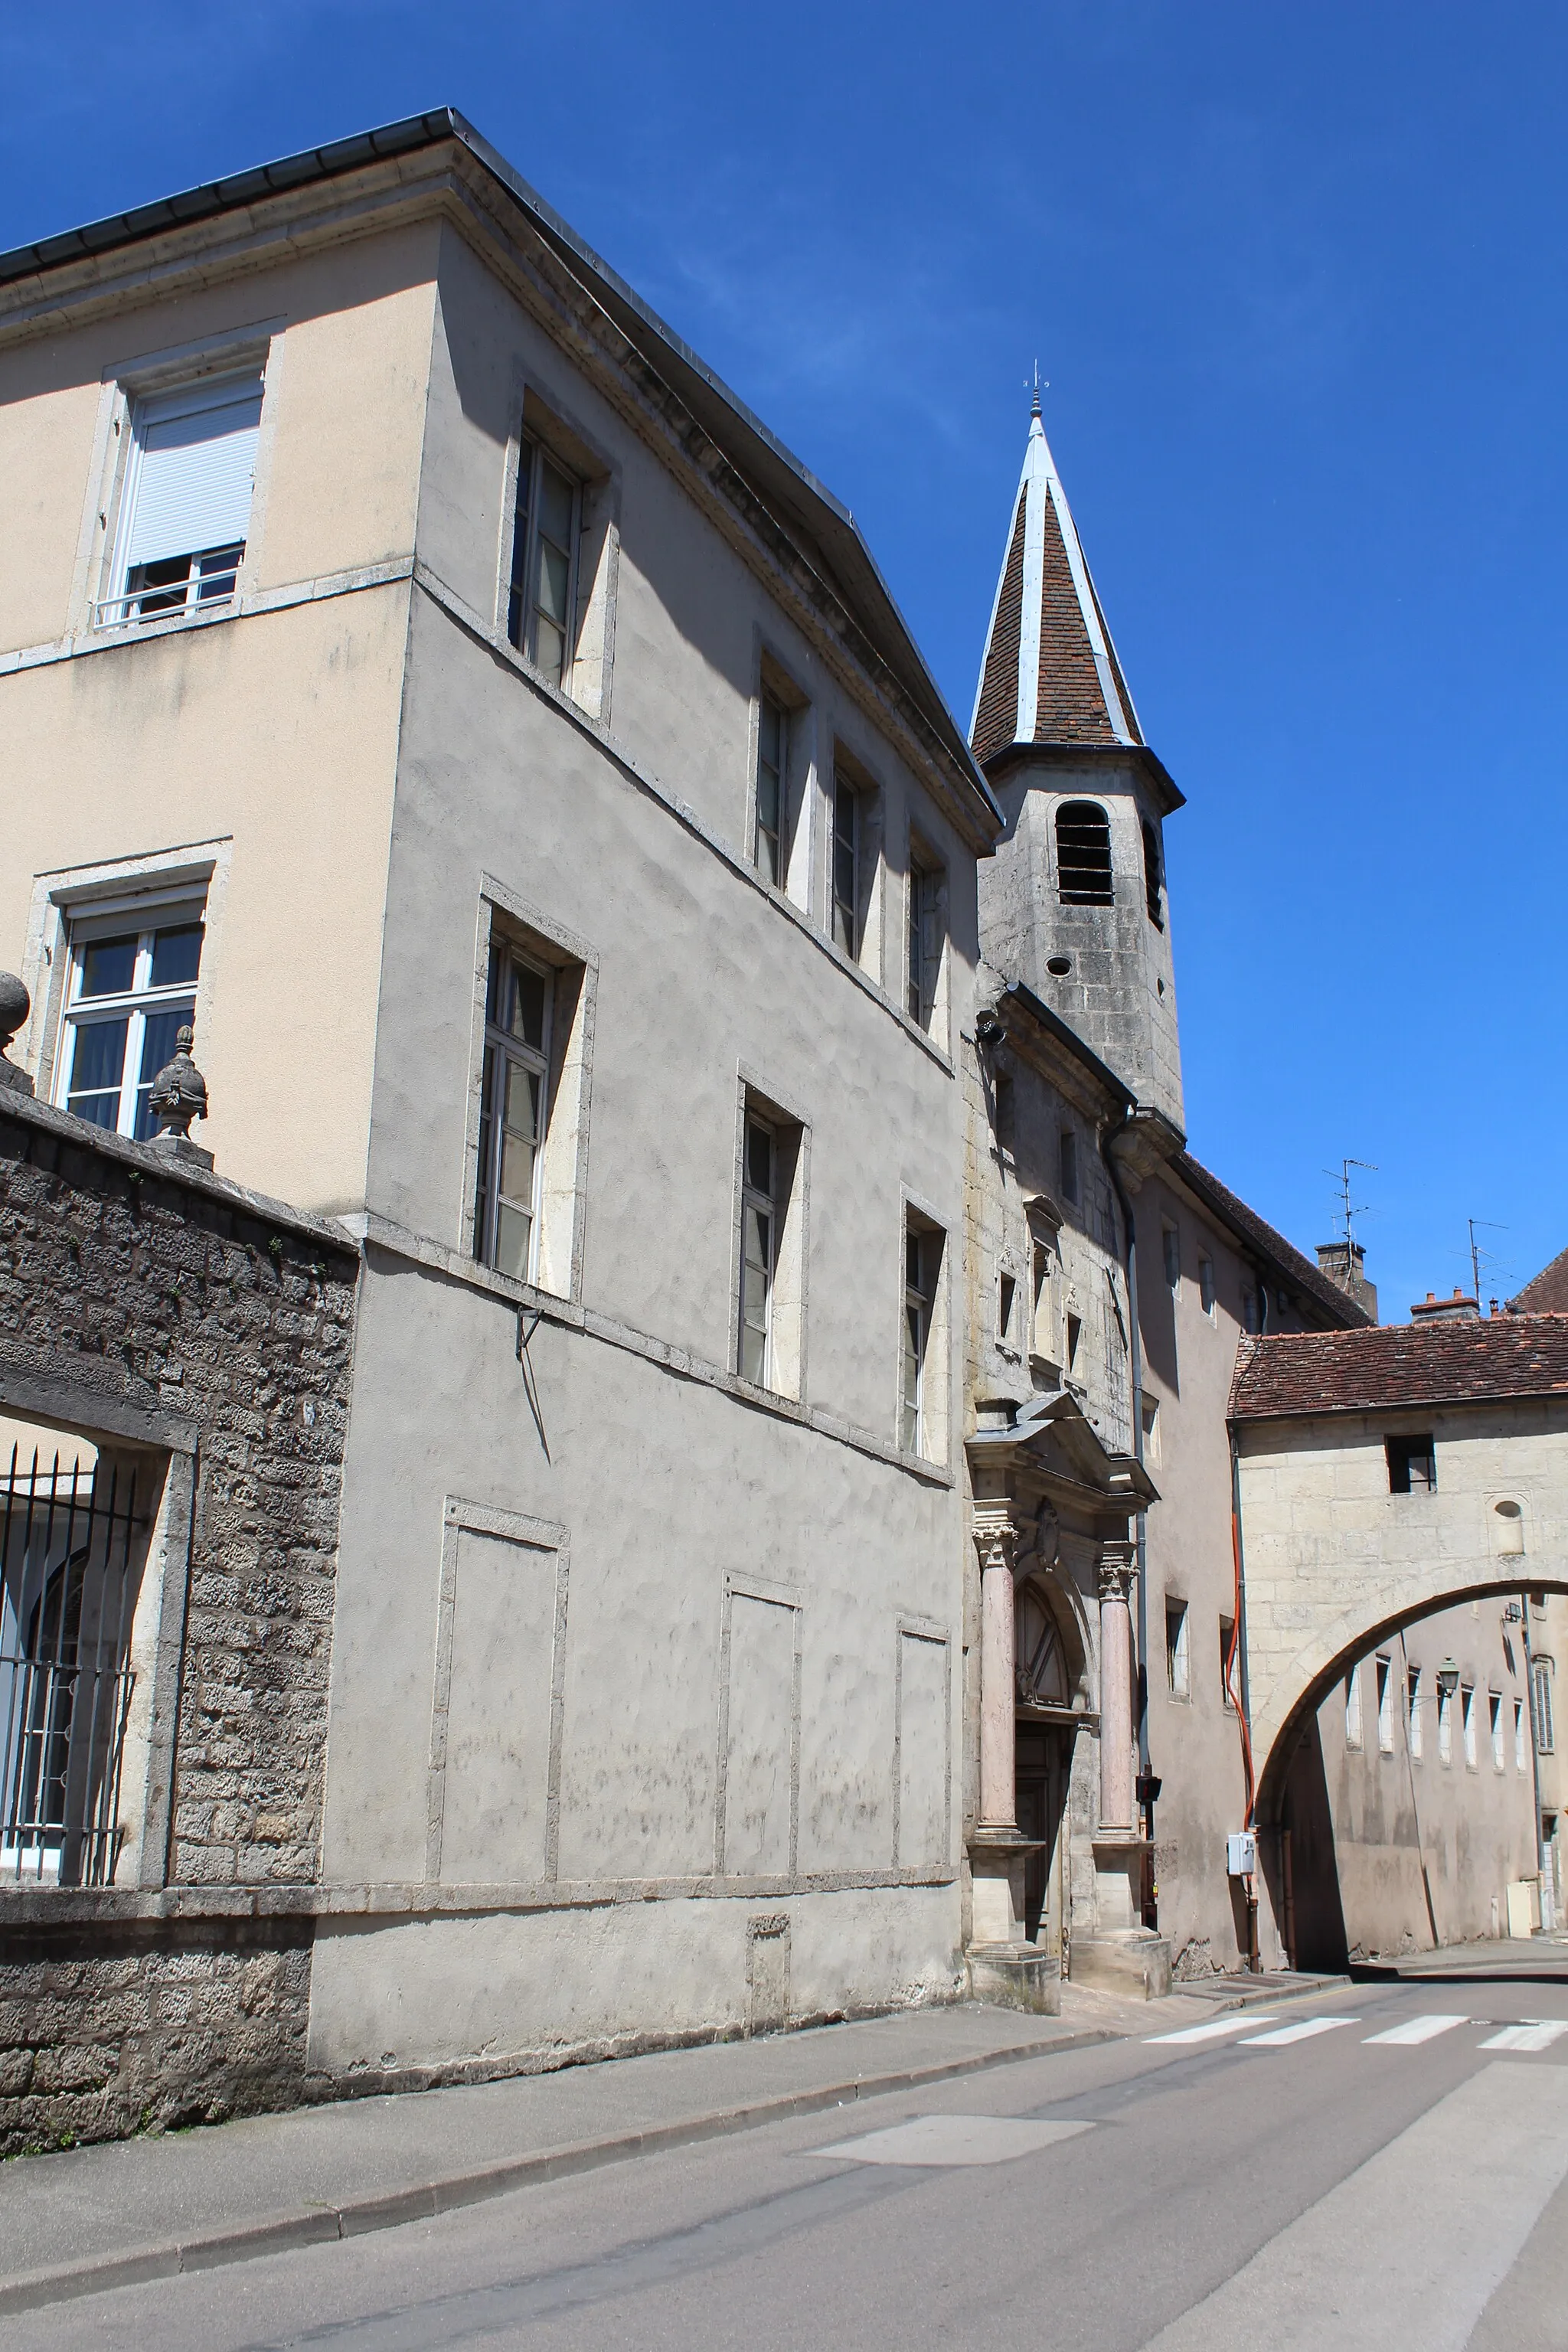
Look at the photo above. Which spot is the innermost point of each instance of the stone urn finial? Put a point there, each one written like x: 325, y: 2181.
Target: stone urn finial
x: 15, y: 1006
x: 178, y: 1095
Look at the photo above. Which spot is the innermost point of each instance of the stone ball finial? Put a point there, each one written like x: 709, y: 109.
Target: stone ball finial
x: 178, y: 1095
x: 15, y: 1006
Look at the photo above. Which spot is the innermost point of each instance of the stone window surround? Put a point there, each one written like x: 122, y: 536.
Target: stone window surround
x: 774, y: 676
x: 936, y: 1385
x: 503, y: 912
x: 789, y: 1304
x: 542, y: 416
x: 191, y: 870
x: 259, y: 344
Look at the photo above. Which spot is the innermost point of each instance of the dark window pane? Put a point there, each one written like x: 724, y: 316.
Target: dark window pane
x: 108, y: 966
x: 530, y: 992
x: 760, y: 1160
x: 100, y: 1057
x: 1083, y: 854
x: 176, y: 956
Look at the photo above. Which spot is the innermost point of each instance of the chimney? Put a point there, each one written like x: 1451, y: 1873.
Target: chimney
x: 1346, y: 1269
x: 1459, y: 1308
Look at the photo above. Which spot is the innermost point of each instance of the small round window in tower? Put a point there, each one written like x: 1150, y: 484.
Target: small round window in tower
x: 1058, y: 966
x: 1509, y: 1520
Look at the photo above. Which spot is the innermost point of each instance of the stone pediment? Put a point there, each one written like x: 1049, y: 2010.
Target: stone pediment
x: 1052, y: 1441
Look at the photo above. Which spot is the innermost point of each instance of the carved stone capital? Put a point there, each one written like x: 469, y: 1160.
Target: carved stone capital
x: 1116, y: 1568
x: 996, y: 1534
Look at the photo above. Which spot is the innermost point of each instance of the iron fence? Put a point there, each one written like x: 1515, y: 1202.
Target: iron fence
x: 69, y: 1570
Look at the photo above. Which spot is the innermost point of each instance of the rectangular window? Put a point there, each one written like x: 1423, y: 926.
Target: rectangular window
x: 1541, y: 1700
x: 1386, y: 1705
x: 514, y: 1110
x: 1249, y: 1311
x: 1414, y: 1733
x: 1468, y: 1724
x: 541, y: 603
x: 1494, y: 1724
x: 1206, y: 1286
x: 1520, y: 1745
x: 1006, y: 1295
x: 1075, y: 1333
x: 923, y: 943
x: 923, y: 1266
x: 1176, y: 1671
x: 131, y: 987
x: 1444, y: 1725
x: 772, y: 785
x: 1171, y: 1242
x: 185, y: 510
x: 1226, y: 1641
x: 847, y: 857
x: 1069, y: 1165
x: 1412, y: 1466
x: 759, y: 1245
x: 1352, y: 1708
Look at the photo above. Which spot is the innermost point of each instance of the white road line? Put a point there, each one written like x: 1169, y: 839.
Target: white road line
x: 1414, y: 2030
x: 1212, y: 2031
x: 1283, y: 2035
x: 1439, y: 2215
x: 953, y: 2139
x: 1533, y: 2034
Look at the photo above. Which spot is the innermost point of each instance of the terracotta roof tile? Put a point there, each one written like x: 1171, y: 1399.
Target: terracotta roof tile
x: 996, y: 712
x: 1548, y: 1292
x: 1297, y: 1372
x: 1071, y: 708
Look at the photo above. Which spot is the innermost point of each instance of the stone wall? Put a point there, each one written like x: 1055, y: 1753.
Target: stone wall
x: 136, y: 1296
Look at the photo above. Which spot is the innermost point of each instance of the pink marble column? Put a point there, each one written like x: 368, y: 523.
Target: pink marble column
x: 1116, y: 1790
x: 995, y: 1541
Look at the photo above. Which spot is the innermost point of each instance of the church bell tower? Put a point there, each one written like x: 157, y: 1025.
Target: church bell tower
x: 1074, y: 902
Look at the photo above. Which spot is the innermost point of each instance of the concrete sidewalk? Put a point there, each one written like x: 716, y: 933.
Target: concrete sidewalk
x: 74, y: 2224
x: 1536, y: 1955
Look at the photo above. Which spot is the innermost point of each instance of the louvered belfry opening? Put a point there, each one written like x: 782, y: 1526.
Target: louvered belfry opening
x: 70, y: 1562
x: 1083, y: 854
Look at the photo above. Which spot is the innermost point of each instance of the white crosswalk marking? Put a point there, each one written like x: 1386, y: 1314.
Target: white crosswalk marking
x: 1212, y: 2031
x: 1414, y: 2030
x: 1536, y: 2034
x: 1285, y: 2035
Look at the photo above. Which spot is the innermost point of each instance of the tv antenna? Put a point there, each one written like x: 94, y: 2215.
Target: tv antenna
x: 1486, y: 1226
x: 1348, y: 1210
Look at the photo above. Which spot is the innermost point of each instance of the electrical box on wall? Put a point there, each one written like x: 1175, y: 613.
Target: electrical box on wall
x: 1241, y: 1853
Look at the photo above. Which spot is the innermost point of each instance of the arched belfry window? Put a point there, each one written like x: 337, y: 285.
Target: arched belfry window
x: 1083, y: 854
x: 1153, y: 875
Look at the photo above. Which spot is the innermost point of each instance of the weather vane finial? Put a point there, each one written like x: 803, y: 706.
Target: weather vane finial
x: 1036, y: 385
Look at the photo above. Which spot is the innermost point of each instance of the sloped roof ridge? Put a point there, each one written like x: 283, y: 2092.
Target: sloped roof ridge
x: 1380, y: 1367
x: 1545, y: 1292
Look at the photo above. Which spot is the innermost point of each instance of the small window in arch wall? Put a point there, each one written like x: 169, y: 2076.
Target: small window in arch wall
x: 1508, y: 1523
x: 1412, y: 1466
x: 1083, y: 854
x: 1153, y: 877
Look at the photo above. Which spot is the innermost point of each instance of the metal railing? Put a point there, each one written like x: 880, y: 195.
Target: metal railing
x: 70, y: 1570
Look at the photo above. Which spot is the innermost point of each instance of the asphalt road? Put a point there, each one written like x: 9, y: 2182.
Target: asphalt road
x: 1359, y: 2171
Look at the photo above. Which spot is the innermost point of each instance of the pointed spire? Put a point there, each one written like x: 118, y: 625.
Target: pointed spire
x: 1049, y: 673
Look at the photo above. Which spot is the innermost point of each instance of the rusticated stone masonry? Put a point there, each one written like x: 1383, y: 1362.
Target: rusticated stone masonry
x: 134, y: 1292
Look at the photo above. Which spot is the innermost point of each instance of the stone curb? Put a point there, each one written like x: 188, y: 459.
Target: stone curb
x: 315, y: 2225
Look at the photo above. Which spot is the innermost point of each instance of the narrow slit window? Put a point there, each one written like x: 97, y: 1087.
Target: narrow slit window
x: 543, y: 562
x: 1414, y: 1733
x: 1386, y: 1705
x: 846, y: 854
x: 1444, y: 1725
x: 1521, y: 1744
x: 1083, y: 854
x: 1468, y: 1724
x: 185, y: 507
x: 1352, y: 1708
x: 1226, y: 1662
x: 1494, y: 1725
x: 1206, y: 1286
x: 1176, y: 1669
x: 514, y: 1112
x: 1005, y: 1296
x: 759, y: 1251
x: 1153, y: 877
x: 1171, y: 1246
x: 923, y: 1258
x: 773, y: 755
x: 1541, y: 1693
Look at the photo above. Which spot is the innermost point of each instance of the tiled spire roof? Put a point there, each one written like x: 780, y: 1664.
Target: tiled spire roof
x: 1050, y: 673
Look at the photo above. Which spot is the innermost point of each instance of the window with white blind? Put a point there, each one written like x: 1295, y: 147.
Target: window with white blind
x: 131, y: 987
x: 184, y: 510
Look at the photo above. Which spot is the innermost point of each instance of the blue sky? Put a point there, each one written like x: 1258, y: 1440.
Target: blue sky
x: 1296, y: 280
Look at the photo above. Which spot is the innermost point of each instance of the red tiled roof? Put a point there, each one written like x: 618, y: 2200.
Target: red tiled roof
x: 1297, y: 1372
x: 996, y: 713
x: 1071, y: 705
x: 1548, y: 1292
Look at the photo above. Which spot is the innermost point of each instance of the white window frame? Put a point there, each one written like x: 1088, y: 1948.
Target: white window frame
x: 763, y: 1205
x: 1445, y: 1726
x: 1467, y: 1723
x: 502, y: 1049
x: 1178, y: 1659
x: 534, y: 454
x: 121, y: 607
x: 1352, y: 1709
x: 1543, y: 1710
x: 1494, y: 1724
x: 1521, y: 1738
x: 845, y: 916
x: 922, y: 1252
x: 769, y: 704
x: 1414, y: 1721
x: 1384, y: 1670
x: 144, y: 916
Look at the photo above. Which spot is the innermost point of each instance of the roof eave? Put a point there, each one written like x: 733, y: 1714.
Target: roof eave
x: 1168, y: 796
